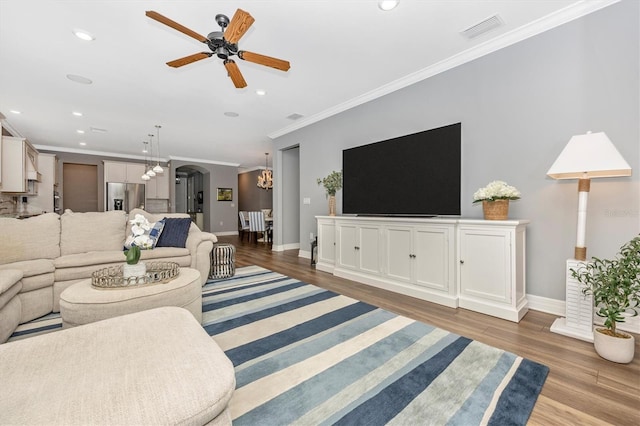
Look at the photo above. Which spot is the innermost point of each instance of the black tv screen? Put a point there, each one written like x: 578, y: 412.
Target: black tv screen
x: 412, y: 175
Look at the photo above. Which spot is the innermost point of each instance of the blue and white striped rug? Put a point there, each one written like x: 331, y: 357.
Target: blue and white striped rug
x: 307, y: 356
x: 304, y: 355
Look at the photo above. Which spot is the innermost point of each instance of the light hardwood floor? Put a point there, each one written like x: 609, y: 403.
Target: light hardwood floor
x: 581, y: 389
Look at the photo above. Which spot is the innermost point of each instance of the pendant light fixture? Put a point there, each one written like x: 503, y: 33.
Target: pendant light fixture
x: 150, y: 172
x: 144, y: 176
x: 157, y: 168
x: 265, y: 180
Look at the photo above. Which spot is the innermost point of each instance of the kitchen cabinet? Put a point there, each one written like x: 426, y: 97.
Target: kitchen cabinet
x: 44, y: 201
x: 491, y: 264
x: 19, y: 166
x: 121, y: 172
x: 158, y: 186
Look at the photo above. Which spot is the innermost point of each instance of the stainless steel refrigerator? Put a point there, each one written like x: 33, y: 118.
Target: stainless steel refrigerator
x: 125, y: 196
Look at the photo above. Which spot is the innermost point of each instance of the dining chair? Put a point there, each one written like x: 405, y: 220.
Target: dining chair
x: 244, y: 225
x: 257, y: 224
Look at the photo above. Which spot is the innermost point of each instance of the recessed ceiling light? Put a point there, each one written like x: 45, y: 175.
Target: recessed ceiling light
x: 387, y: 5
x: 83, y: 143
x: 13, y: 111
x: 79, y: 79
x: 83, y: 35
x: 261, y: 92
x: 231, y: 114
x: 77, y: 114
x: 80, y: 131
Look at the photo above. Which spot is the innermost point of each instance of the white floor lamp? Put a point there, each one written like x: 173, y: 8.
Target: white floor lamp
x: 586, y: 156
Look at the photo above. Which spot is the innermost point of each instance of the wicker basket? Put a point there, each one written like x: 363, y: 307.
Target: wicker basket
x: 495, y: 210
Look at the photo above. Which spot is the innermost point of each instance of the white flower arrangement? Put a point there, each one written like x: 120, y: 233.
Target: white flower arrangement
x: 140, y: 228
x: 496, y: 190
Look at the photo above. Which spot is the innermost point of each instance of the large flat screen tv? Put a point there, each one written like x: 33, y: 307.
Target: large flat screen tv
x: 412, y: 175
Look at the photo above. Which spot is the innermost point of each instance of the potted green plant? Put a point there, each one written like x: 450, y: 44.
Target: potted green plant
x: 332, y: 184
x: 615, y: 287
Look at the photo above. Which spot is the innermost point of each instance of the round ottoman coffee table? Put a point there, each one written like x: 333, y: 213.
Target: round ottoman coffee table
x: 82, y: 303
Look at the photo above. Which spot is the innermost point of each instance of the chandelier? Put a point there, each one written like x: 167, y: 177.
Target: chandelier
x: 265, y: 180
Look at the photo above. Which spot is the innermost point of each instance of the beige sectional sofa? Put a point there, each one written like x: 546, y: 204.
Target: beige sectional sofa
x: 52, y: 252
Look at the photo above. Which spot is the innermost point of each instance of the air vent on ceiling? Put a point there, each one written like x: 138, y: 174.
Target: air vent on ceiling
x: 98, y: 130
x: 482, y: 27
x: 295, y: 116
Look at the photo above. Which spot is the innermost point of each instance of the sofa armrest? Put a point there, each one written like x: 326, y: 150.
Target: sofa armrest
x: 200, y: 245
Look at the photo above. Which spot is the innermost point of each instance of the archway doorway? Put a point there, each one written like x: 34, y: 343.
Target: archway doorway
x: 190, y: 196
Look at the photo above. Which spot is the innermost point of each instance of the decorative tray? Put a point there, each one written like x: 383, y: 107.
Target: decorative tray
x: 113, y: 277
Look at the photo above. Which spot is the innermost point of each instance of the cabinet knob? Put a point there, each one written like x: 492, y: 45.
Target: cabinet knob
x: 462, y: 262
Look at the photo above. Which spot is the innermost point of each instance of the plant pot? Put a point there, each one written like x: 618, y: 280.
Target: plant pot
x: 137, y: 270
x: 495, y: 210
x: 616, y: 349
x: 332, y: 205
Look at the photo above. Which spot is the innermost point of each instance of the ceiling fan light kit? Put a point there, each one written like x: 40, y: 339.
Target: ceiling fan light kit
x: 224, y: 44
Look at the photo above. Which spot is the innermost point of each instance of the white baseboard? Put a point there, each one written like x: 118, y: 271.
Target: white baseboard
x: 557, y: 307
x: 283, y: 247
x: 545, y: 304
x: 226, y: 233
x: 304, y: 253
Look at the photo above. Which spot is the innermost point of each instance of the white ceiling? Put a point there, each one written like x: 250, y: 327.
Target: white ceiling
x: 342, y: 53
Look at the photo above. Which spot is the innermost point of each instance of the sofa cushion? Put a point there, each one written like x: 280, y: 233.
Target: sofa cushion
x: 32, y: 268
x: 156, y: 217
x: 92, y: 231
x: 27, y: 239
x: 174, y: 233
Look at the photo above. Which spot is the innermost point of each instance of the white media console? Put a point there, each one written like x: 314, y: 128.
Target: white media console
x: 472, y: 264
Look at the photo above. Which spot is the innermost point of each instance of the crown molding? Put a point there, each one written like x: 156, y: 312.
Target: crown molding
x: 577, y: 10
x: 200, y: 160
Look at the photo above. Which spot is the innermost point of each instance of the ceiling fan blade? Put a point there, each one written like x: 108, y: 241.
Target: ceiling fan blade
x: 164, y: 20
x: 239, y: 25
x: 268, y: 61
x: 235, y: 74
x: 189, y: 59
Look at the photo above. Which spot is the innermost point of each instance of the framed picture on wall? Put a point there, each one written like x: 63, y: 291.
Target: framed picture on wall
x: 225, y: 194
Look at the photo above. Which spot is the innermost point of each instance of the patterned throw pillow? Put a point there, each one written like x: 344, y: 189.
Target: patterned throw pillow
x: 149, y: 239
x: 175, y: 232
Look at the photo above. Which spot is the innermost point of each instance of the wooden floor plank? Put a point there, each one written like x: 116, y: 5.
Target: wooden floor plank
x: 581, y: 389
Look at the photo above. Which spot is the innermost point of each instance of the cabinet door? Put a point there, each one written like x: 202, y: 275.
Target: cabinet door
x: 347, y: 246
x: 368, y: 248
x: 115, y: 172
x: 161, y: 185
x: 398, y: 253
x: 485, y: 264
x: 13, y: 162
x: 326, y: 243
x: 431, y: 258
x: 135, y: 172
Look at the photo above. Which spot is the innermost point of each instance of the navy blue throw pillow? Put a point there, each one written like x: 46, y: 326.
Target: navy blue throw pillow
x: 174, y: 233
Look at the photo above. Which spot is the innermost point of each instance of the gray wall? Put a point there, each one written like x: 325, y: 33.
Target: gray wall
x: 250, y: 196
x: 518, y: 107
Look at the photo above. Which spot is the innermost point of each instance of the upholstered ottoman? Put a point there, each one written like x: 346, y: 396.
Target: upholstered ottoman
x: 82, y: 303
x: 149, y: 368
x: 10, y: 305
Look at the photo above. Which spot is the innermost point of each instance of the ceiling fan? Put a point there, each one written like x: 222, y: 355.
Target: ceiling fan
x: 224, y: 44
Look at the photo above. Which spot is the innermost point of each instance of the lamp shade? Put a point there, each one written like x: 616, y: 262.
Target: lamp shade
x: 591, y: 155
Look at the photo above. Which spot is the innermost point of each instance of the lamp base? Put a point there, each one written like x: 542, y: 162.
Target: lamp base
x: 578, y: 321
x: 560, y: 326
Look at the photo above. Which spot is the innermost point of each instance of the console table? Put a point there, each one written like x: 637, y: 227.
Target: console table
x: 472, y: 264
